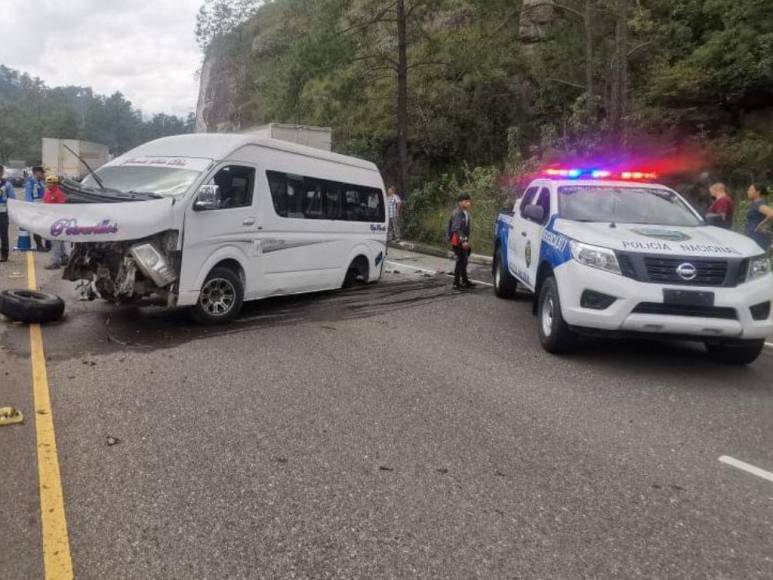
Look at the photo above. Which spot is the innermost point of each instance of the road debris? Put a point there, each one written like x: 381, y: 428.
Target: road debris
x: 10, y: 416
x: 112, y: 441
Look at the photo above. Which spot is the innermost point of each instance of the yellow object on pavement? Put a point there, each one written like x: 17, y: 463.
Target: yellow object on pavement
x: 10, y: 416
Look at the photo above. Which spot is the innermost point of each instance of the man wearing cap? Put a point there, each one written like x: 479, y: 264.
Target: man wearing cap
x: 459, y: 234
x: 54, y: 194
x: 34, y: 191
x: 6, y: 193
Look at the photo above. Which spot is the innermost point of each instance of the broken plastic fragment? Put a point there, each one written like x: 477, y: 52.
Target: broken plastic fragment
x: 10, y: 416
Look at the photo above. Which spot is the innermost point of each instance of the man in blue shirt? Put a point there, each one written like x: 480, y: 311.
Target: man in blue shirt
x: 6, y: 193
x: 34, y: 188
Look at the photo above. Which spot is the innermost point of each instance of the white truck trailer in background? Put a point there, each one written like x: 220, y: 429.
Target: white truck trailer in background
x: 58, y: 160
x: 318, y: 137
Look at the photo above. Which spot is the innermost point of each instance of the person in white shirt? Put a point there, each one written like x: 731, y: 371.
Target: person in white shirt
x: 393, y: 206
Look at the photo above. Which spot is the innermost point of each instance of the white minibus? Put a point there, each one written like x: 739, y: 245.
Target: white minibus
x: 211, y: 220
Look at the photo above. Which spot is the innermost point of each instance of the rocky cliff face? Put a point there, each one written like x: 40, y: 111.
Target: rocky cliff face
x: 535, y: 16
x: 217, y: 107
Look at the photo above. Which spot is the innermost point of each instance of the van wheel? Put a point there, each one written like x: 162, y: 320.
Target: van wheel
x: 221, y: 297
x: 358, y: 271
x: 505, y: 286
x: 740, y: 352
x: 554, y: 334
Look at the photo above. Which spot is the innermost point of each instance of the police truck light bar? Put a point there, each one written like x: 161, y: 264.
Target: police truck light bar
x: 576, y: 173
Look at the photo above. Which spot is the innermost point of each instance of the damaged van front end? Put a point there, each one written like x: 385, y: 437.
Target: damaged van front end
x: 121, y: 252
x: 128, y: 270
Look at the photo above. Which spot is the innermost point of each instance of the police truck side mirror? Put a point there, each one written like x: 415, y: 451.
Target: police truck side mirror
x: 535, y: 213
x: 207, y: 198
x: 713, y: 219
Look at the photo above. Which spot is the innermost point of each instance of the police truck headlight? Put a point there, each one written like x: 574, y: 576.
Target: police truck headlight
x: 153, y: 264
x: 758, y: 267
x: 595, y: 257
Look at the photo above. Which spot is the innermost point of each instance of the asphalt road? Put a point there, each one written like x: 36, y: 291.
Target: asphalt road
x: 391, y: 431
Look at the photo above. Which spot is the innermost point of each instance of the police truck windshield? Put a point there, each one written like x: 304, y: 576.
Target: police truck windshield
x: 163, y: 181
x: 630, y: 205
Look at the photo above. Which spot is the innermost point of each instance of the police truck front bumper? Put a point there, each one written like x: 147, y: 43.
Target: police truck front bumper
x: 638, y: 307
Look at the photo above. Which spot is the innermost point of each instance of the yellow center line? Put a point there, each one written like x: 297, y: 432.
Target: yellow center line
x: 56, y: 543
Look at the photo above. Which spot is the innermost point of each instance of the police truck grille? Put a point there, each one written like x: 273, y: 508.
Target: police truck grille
x: 707, y: 272
x: 658, y: 269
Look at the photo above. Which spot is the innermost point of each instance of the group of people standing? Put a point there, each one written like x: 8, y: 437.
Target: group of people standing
x: 759, y: 214
x: 38, y: 188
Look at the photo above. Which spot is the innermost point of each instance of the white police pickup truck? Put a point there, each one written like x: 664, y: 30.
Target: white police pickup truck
x: 614, y: 255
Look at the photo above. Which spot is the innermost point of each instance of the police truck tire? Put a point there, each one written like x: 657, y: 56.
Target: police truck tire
x: 740, y: 352
x: 31, y: 306
x: 220, y: 299
x: 505, y: 285
x: 554, y: 334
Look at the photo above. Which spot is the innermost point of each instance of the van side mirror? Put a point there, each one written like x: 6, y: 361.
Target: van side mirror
x: 207, y: 198
x: 534, y: 212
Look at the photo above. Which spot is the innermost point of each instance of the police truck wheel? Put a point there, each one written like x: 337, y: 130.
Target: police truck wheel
x: 505, y: 285
x: 221, y: 297
x: 740, y: 352
x: 31, y: 306
x: 554, y: 334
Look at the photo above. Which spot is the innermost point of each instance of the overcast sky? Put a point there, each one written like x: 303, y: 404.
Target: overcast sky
x: 144, y: 48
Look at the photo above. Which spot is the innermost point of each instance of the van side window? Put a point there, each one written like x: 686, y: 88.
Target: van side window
x: 300, y: 197
x: 236, y: 184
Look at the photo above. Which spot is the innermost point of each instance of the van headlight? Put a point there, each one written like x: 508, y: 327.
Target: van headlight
x: 595, y: 257
x: 153, y: 264
x: 758, y: 267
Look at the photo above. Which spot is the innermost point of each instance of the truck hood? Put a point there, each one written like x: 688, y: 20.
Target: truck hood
x: 94, y: 222
x: 668, y: 240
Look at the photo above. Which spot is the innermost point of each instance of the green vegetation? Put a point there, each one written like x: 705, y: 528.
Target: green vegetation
x: 497, y: 86
x: 29, y: 110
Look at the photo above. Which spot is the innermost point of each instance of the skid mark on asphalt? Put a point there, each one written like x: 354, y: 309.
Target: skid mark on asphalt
x: 100, y: 328
x: 57, y: 562
x: 747, y: 467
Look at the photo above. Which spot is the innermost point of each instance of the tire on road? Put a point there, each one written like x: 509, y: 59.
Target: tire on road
x: 738, y: 352
x: 31, y: 306
x: 221, y: 297
x: 554, y: 334
x: 505, y: 286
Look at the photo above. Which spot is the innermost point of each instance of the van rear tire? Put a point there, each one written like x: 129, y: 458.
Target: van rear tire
x: 220, y: 299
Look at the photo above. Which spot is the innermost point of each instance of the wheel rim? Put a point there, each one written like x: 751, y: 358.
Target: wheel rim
x: 218, y: 297
x: 547, y: 314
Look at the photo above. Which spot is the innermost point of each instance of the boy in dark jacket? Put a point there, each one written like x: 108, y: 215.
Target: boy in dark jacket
x: 459, y: 233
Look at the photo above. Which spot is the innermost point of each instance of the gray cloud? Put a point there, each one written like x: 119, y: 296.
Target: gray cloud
x: 145, y: 49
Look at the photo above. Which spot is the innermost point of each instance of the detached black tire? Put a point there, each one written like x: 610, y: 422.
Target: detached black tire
x: 221, y: 297
x: 31, y: 306
x: 505, y: 286
x: 554, y: 334
x: 737, y: 352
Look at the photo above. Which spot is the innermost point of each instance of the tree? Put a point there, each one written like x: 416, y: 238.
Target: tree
x: 218, y: 18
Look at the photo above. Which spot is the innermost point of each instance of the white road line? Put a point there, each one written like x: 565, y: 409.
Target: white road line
x: 747, y: 467
x: 432, y: 272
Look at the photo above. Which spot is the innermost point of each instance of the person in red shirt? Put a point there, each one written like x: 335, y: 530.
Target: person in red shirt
x: 723, y: 207
x: 54, y: 194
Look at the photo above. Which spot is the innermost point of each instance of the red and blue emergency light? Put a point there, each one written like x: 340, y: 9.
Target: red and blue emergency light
x: 576, y: 173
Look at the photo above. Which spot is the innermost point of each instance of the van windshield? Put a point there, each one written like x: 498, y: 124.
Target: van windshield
x: 628, y: 205
x: 164, y: 181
